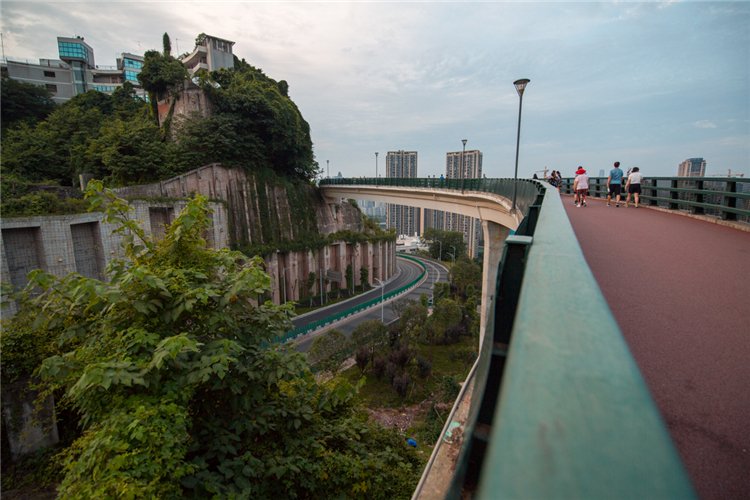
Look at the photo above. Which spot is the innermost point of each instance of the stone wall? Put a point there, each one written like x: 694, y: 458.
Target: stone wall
x: 243, y: 194
x: 84, y: 243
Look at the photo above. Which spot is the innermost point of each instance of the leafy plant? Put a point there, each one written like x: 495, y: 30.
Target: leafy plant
x: 179, y: 388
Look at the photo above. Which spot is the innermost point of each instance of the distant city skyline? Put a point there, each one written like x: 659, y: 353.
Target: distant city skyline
x: 648, y: 84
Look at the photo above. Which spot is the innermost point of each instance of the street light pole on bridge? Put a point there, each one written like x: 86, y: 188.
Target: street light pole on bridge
x: 520, y: 86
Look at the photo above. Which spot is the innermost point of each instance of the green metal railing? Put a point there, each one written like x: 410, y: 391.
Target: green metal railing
x: 559, y: 408
x: 315, y: 325
x: 724, y: 197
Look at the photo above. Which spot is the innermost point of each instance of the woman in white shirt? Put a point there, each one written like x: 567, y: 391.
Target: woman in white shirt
x: 633, y: 186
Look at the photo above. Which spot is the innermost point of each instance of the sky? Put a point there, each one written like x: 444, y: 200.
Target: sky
x: 648, y: 84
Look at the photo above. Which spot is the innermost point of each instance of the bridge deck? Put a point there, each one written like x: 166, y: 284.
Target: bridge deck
x: 679, y: 289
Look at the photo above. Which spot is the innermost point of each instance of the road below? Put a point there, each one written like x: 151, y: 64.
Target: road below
x: 407, y: 272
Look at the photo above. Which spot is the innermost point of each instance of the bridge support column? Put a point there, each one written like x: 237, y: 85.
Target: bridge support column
x: 494, y: 241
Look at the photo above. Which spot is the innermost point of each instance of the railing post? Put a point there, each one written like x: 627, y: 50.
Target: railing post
x: 730, y: 201
x: 674, y: 195
x: 698, y: 198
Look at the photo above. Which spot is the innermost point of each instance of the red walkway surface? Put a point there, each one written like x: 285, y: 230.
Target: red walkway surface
x: 680, y: 290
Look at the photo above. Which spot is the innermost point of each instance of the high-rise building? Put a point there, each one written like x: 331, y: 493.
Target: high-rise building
x: 400, y: 217
x: 464, y: 165
x: 692, y: 167
x: 76, y: 71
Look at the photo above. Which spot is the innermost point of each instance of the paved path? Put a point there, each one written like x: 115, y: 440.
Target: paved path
x: 680, y: 290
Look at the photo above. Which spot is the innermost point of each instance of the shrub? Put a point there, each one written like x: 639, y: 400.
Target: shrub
x: 425, y: 366
x: 401, y: 384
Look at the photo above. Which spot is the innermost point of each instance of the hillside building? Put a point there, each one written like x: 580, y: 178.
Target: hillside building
x: 76, y: 72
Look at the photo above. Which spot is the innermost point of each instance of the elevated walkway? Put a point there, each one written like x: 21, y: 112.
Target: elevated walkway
x: 558, y: 406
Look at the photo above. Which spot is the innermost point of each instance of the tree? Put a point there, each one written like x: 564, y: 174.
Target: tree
x: 129, y: 152
x: 161, y: 74
x: 446, y: 315
x: 412, y: 320
x: 329, y: 350
x: 167, y: 45
x: 446, y: 241
x: 466, y: 276
x: 181, y: 391
x: 364, y: 277
x: 349, y: 275
x: 23, y: 102
x: 310, y: 282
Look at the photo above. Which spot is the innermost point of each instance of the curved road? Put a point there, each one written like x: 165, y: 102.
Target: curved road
x: 408, y: 271
x: 680, y: 290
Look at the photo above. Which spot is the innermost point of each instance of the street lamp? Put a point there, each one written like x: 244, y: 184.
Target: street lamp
x: 463, y: 152
x: 520, y: 86
x: 440, y: 242
x: 376, y: 166
x: 328, y: 169
x: 382, y: 295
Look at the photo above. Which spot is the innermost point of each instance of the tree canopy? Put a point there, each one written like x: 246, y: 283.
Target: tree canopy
x: 23, y: 102
x: 180, y: 389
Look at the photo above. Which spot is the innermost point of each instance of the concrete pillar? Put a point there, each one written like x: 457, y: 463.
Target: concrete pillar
x: 494, y: 242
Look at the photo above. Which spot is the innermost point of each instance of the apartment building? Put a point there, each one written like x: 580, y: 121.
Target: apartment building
x: 692, y: 167
x: 464, y: 165
x: 405, y: 219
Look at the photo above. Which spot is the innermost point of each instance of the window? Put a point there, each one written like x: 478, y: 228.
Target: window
x: 51, y: 88
x: 70, y: 50
x: 131, y: 76
x: 130, y: 63
x: 49, y: 74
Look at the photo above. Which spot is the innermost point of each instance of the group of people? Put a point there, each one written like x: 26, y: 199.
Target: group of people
x: 614, y: 185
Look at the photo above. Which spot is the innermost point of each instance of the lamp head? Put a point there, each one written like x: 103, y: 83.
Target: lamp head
x: 464, y: 141
x: 521, y: 85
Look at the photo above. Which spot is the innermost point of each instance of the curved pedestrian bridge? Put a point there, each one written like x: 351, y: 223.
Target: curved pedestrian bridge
x: 557, y: 405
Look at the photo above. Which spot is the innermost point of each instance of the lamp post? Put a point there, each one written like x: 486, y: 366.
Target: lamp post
x: 520, y: 86
x: 376, y: 166
x: 463, y: 165
x: 454, y: 253
x: 440, y: 242
x: 382, y: 295
x: 328, y: 169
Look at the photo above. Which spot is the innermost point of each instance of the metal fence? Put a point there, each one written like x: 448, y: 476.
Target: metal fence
x: 725, y: 197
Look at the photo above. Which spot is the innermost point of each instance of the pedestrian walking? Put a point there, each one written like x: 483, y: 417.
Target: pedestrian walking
x: 614, y: 184
x: 633, y: 186
x: 581, y: 186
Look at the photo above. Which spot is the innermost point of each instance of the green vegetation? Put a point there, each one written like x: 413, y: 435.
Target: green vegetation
x: 117, y: 138
x: 23, y: 102
x: 443, y: 243
x: 177, y: 386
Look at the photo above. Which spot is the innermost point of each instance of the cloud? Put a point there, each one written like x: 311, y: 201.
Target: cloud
x: 704, y: 124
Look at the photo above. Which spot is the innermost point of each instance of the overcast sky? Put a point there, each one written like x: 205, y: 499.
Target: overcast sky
x: 649, y: 84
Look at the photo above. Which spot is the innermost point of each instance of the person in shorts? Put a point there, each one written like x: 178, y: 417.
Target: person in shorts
x: 581, y: 186
x: 633, y: 186
x: 614, y: 184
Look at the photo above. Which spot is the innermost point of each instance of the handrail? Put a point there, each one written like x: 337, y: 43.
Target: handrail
x: 314, y: 325
x: 559, y: 408
x: 562, y: 410
x: 725, y: 197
